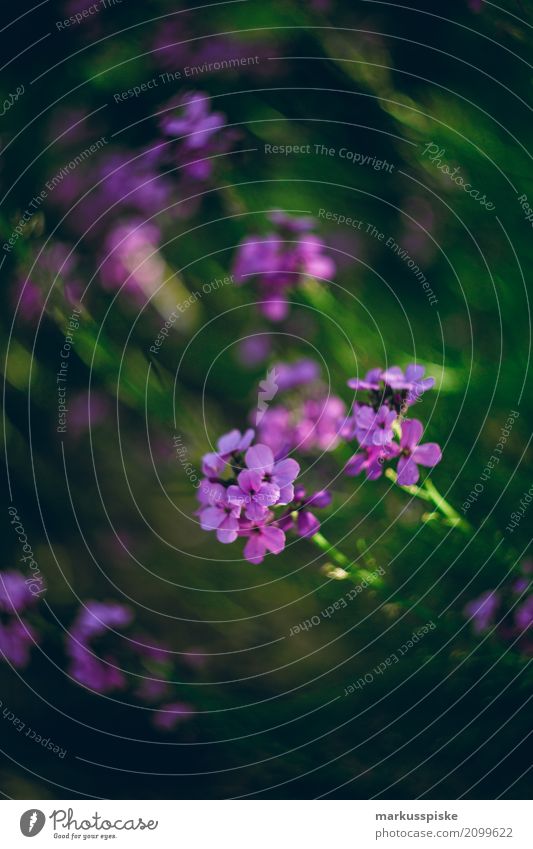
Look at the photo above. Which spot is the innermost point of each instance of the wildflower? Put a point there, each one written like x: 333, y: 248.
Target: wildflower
x: 170, y: 715
x: 413, y: 454
x: 377, y: 422
x: 219, y: 513
x: 231, y: 443
x: 263, y: 538
x: 16, y: 635
x: 240, y: 505
x: 300, y: 516
x: 96, y: 622
x: 281, y: 261
x: 393, y: 387
x: 482, y: 610
x: 371, y: 460
x: 373, y: 428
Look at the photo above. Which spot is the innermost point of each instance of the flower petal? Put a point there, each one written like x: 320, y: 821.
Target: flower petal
x: 308, y: 524
x: 285, y: 471
x: 428, y: 454
x: 260, y: 459
x: 273, y: 539
x: 255, y: 549
x: 211, y: 518
x: 412, y: 431
x: 229, y: 441
x: 408, y: 473
x: 250, y: 481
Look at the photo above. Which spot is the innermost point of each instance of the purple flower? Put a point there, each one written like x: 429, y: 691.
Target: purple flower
x: 29, y: 298
x: 16, y: 635
x: 290, y: 375
x: 371, y: 460
x: 132, y: 260
x: 482, y: 610
x: 263, y: 538
x: 282, y: 261
x: 94, y: 622
x: 264, y: 483
x: 412, y: 381
x: 170, y: 715
x: 371, y: 380
x: 315, y: 424
x: 524, y: 615
x: 374, y: 428
x: 219, y: 513
x: 393, y: 387
x: 413, y: 454
x: 239, y: 506
x: 214, y: 463
x: 300, y: 516
x: 280, y: 473
x: 199, y: 132
x: 253, y: 495
x: 254, y: 349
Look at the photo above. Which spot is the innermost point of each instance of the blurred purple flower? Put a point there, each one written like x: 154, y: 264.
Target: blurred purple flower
x: 281, y: 261
x: 169, y: 715
x: 300, y: 517
x: 298, y: 373
x: 94, y: 622
x: 17, y: 636
x: 482, y: 610
x: 132, y: 260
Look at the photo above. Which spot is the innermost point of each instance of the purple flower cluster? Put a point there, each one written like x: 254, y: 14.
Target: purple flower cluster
x: 92, y: 663
x: 198, y: 135
x: 16, y: 634
x: 490, y: 606
x: 281, y: 261
x: 98, y: 646
x: 379, y: 425
x: 108, y: 203
x: 311, y: 425
x: 244, y: 483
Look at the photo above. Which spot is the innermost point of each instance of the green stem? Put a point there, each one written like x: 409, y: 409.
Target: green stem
x: 344, y: 563
x: 429, y: 492
x: 441, y: 504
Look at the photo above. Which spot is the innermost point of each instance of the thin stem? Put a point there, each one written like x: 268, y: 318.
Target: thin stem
x: 344, y: 563
x: 429, y: 492
x: 441, y: 504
